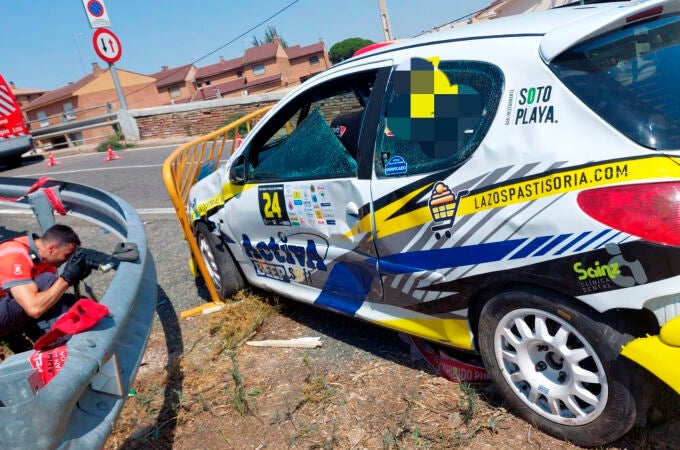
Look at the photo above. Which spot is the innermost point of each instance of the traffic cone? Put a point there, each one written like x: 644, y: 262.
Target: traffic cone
x: 110, y: 155
x: 51, y: 161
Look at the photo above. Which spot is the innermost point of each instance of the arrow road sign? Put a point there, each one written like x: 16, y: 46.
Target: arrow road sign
x: 106, y: 45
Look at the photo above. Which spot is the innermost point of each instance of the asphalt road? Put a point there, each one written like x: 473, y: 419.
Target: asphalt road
x: 136, y: 177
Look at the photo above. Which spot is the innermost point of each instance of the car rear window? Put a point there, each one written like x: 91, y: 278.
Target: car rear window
x: 630, y: 78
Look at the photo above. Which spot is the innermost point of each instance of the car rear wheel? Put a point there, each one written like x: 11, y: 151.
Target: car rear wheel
x: 222, y: 268
x: 557, y: 367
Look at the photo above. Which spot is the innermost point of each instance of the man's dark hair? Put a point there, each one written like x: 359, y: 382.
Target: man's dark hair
x: 61, y: 235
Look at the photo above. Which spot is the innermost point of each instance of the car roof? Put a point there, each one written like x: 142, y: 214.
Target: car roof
x: 561, y: 28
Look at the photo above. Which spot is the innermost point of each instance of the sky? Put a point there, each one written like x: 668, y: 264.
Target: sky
x: 45, y: 44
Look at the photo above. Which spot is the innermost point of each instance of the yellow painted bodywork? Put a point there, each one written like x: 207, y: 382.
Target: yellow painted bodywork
x: 450, y: 331
x: 660, y: 354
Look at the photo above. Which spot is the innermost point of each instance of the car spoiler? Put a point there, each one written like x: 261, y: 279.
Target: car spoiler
x: 67, y: 412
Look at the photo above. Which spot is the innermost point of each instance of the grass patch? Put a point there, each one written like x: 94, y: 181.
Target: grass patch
x: 238, y: 397
x: 237, y: 321
x: 116, y: 141
x: 317, y: 387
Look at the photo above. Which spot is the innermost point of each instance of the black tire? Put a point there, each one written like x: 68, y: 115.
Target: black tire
x: 557, y: 367
x: 12, y: 161
x: 223, y: 270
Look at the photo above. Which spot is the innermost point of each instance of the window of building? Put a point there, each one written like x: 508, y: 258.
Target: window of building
x: 314, y: 136
x: 68, y: 111
x: 314, y: 59
x: 174, y: 92
x: 425, y: 130
x: 258, y: 69
x: 42, y: 117
x: 207, y: 83
x: 239, y: 74
x: 199, y: 84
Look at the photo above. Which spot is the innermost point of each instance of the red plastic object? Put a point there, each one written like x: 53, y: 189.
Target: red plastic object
x: 83, y: 315
x: 370, y: 47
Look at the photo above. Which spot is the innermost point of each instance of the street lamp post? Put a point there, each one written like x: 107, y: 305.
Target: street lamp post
x: 385, y: 20
x: 80, y: 57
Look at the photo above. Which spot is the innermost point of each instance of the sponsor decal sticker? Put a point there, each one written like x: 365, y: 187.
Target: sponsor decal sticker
x: 339, y: 130
x: 281, y: 260
x: 396, y: 166
x: 443, y: 205
x: 273, y: 205
x: 552, y: 184
x: 533, y: 106
x: 596, y: 276
x: 18, y: 269
x: 310, y: 204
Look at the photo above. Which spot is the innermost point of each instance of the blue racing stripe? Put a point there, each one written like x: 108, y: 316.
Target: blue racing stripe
x: 531, y: 247
x: 572, y: 242
x: 554, y: 243
x: 448, y: 257
x: 595, y: 238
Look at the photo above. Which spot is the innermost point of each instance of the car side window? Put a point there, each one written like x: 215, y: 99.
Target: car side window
x: 435, y: 115
x: 315, y: 135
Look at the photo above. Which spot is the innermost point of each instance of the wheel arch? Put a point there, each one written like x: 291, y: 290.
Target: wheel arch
x: 633, y: 322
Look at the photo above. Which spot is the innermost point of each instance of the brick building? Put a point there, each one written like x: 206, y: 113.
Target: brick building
x: 25, y: 96
x: 263, y: 68
x: 175, y: 85
x: 91, y: 96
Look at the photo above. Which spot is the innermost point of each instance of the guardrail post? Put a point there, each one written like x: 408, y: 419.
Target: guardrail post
x: 128, y: 125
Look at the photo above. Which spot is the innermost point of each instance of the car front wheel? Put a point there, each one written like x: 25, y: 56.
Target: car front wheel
x: 557, y: 367
x: 221, y: 265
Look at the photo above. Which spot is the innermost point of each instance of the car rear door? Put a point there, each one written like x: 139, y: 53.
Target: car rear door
x: 434, y: 116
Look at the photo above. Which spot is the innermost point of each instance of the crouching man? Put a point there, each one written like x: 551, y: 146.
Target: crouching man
x: 32, y: 294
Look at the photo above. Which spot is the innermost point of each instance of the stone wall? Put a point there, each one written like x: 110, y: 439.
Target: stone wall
x: 198, y: 118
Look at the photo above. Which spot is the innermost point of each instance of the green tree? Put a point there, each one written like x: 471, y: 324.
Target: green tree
x: 269, y: 35
x: 345, y: 49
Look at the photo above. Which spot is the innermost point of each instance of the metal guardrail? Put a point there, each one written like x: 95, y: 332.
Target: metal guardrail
x: 67, y: 413
x: 181, y: 170
x: 75, y: 126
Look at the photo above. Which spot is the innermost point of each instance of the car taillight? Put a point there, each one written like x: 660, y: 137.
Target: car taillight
x: 650, y: 211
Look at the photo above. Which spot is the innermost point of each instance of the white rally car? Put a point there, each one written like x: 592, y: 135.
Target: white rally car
x: 510, y: 188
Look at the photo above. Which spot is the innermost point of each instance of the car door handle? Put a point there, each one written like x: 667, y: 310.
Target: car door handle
x: 352, y: 209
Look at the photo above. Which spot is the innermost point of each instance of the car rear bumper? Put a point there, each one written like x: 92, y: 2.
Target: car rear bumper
x: 659, y: 353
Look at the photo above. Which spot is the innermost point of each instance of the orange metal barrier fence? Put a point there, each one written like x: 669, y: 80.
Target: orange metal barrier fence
x: 182, y: 168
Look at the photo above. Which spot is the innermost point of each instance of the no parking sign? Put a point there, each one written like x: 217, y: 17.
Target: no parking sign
x: 96, y: 13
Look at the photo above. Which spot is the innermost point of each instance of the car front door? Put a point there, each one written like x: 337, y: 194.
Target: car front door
x: 297, y: 218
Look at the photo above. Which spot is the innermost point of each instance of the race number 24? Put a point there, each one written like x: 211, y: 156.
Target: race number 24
x: 272, y: 205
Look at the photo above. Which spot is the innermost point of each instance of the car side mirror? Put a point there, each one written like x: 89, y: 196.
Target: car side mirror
x: 237, y: 171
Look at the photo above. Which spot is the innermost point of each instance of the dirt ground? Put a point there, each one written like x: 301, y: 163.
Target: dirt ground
x: 201, y: 387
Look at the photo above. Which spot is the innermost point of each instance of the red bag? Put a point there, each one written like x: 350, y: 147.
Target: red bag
x: 83, y: 315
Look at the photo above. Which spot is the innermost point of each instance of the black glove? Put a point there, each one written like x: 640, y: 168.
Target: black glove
x: 76, y: 268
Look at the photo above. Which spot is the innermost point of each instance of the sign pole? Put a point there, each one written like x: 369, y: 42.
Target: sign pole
x: 116, y: 84
x: 107, y: 46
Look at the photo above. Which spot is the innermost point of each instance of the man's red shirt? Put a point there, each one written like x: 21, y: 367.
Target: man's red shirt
x: 20, y: 263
